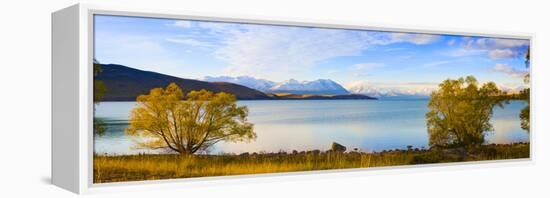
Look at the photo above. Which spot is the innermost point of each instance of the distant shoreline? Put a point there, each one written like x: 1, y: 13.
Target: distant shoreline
x: 377, y: 99
x: 287, y: 97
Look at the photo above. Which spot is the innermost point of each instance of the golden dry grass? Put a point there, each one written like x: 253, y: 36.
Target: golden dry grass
x: 167, y: 166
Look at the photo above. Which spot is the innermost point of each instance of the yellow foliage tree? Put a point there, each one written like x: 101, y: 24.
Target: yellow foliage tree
x: 525, y: 95
x: 460, y: 112
x: 99, y: 91
x: 168, y: 120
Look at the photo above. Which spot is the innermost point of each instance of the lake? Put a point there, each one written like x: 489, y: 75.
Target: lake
x: 286, y: 125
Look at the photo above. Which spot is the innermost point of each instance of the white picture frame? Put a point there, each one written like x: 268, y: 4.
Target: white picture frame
x: 72, y: 102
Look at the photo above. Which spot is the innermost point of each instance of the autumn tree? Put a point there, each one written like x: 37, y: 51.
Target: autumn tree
x: 168, y: 120
x: 99, y: 92
x: 525, y: 95
x: 460, y: 111
x: 524, y: 114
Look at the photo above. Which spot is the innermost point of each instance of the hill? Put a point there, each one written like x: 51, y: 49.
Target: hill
x: 125, y: 84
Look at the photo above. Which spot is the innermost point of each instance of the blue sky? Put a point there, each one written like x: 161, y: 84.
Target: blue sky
x: 194, y: 49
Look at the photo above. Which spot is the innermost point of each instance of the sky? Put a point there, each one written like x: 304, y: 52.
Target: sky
x: 195, y: 49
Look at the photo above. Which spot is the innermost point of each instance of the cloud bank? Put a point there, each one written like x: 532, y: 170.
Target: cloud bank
x: 495, y: 48
x: 502, y: 68
x: 258, y: 50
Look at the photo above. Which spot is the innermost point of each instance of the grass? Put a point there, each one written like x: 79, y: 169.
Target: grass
x: 168, y: 166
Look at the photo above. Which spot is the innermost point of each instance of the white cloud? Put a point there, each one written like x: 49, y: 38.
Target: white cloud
x: 505, y: 43
x: 362, y: 66
x: 461, y: 52
x: 117, y: 47
x: 279, y: 50
x: 509, y: 71
x: 496, y: 48
x: 501, y: 53
x: 182, y: 24
x: 437, y: 63
x: 189, y: 41
x: 361, y: 69
x: 451, y: 42
x: 394, y: 49
x: 419, y: 39
x: 142, y: 52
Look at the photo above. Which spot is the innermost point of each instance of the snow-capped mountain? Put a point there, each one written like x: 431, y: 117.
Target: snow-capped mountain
x: 321, y: 86
x: 406, y: 90
x: 387, y: 90
x: 251, y: 82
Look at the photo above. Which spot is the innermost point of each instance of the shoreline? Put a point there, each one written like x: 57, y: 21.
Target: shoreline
x: 282, y: 99
x: 327, y: 99
x: 169, y: 166
x: 291, y: 151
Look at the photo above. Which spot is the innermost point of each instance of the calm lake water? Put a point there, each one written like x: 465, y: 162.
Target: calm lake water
x: 369, y: 125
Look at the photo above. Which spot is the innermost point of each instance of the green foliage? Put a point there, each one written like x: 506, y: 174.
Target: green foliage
x: 99, y: 86
x: 186, y: 125
x: 524, y: 114
x: 460, y: 112
x: 99, y: 126
x: 99, y: 92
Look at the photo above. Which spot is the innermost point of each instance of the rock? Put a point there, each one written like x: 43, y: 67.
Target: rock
x: 337, y: 147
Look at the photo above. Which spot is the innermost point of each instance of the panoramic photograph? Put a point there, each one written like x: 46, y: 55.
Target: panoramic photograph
x: 189, y: 98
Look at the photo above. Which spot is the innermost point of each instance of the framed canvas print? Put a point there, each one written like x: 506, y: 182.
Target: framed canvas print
x: 147, y: 96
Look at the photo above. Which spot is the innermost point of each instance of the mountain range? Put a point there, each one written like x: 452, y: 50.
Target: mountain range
x: 380, y: 90
x: 251, y: 82
x: 329, y: 87
x: 405, y: 90
x: 292, y: 86
x: 125, y: 84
